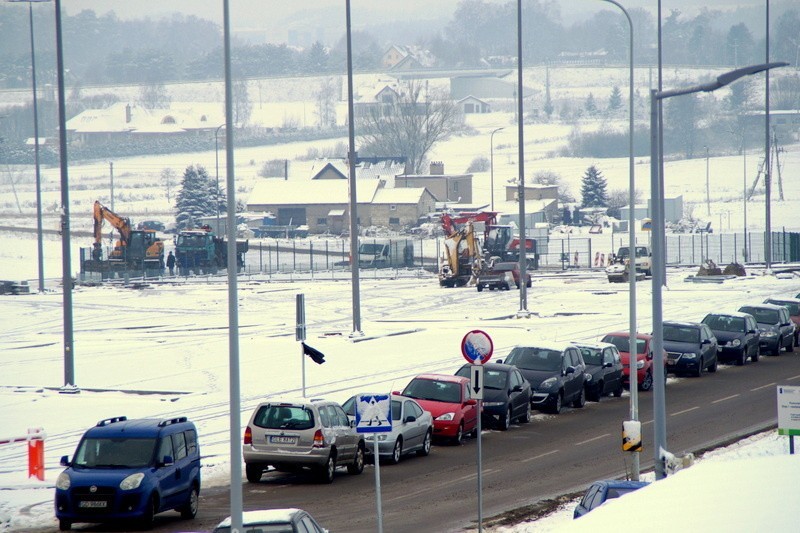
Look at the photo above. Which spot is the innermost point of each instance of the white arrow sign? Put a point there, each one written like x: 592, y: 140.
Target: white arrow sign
x: 476, y: 381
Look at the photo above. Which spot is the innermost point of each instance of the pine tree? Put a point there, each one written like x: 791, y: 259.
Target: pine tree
x: 197, y: 197
x: 593, y: 188
x: 615, y: 100
x: 590, y: 105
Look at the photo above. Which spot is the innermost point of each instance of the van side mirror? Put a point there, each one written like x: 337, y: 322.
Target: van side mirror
x: 410, y: 418
x: 569, y: 370
x: 499, y: 361
x: 64, y: 460
x: 167, y: 461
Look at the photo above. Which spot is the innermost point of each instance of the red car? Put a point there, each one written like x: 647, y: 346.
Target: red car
x: 447, y: 398
x: 644, y: 357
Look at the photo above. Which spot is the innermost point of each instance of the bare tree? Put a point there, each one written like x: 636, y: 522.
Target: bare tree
x: 326, y: 103
x: 168, y: 178
x: 154, y: 96
x: 242, y: 107
x: 410, y: 125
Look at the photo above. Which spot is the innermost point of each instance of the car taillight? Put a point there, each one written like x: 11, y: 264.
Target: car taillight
x: 319, y: 439
x: 248, y: 435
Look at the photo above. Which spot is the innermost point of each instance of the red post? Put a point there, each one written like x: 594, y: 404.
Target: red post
x: 36, y: 453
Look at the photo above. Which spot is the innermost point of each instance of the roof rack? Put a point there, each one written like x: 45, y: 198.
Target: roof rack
x: 107, y: 421
x: 170, y: 421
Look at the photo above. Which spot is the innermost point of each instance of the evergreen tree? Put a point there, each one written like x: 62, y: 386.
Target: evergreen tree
x: 615, y: 100
x: 593, y: 188
x: 197, y: 197
x: 590, y: 105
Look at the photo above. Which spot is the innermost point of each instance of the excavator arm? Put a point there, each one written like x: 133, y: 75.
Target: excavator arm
x: 121, y: 224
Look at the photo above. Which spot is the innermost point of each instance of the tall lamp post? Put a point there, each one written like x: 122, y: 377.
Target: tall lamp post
x: 39, y: 240
x: 659, y: 404
x: 523, y: 241
x: 708, y: 188
x: 634, y: 400
x: 491, y: 162
x: 216, y: 164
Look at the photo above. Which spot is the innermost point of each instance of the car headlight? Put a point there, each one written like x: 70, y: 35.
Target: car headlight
x: 132, y: 482
x: 493, y: 404
x: 640, y: 364
x: 446, y: 417
x: 736, y: 342
x: 549, y: 382
x: 63, y: 481
x: 689, y: 355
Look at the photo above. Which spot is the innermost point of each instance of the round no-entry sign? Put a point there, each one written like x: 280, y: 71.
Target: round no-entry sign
x: 477, y: 347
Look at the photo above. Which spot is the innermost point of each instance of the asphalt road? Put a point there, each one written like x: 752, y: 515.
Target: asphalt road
x: 551, y: 456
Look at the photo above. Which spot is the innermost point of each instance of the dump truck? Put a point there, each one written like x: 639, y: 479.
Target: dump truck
x: 199, y: 251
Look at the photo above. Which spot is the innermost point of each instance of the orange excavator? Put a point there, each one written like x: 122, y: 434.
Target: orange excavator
x: 135, y: 249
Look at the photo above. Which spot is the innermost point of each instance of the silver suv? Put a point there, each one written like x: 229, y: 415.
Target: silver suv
x: 291, y: 435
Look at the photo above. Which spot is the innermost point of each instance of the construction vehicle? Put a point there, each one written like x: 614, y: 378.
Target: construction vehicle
x: 496, y: 242
x: 199, y: 251
x: 135, y: 251
x: 385, y: 253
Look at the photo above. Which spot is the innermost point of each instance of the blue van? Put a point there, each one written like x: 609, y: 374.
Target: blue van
x: 130, y: 470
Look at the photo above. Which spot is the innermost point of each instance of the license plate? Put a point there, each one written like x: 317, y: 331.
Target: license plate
x: 282, y: 440
x: 93, y: 504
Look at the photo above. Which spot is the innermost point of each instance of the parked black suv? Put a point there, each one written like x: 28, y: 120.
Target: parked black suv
x: 556, y: 373
x: 777, y: 330
x: 691, y: 347
x: 737, y: 335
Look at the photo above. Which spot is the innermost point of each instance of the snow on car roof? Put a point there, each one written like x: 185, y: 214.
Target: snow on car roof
x: 547, y: 345
x: 266, y: 516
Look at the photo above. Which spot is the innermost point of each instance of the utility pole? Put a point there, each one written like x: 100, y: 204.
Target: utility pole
x: 111, y: 174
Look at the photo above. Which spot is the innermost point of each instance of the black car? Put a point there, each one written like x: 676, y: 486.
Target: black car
x: 603, y: 370
x: 737, y: 335
x: 793, y: 305
x: 506, y: 394
x: 775, y: 325
x: 556, y: 372
x: 691, y: 348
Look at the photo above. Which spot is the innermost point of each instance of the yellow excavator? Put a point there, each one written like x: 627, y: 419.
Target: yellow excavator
x: 135, y: 249
x: 462, y: 259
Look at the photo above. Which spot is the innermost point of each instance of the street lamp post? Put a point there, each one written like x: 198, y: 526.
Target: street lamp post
x: 216, y: 164
x: 523, y: 241
x: 39, y: 238
x: 491, y: 162
x: 659, y: 404
x: 708, y: 188
x: 634, y: 400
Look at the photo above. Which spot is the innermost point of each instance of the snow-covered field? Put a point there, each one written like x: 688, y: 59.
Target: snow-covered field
x: 171, y: 338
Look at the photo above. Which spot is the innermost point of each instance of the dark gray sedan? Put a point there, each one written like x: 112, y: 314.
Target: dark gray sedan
x: 603, y: 370
x: 506, y: 394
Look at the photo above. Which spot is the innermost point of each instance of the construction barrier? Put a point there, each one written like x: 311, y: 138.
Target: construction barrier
x: 597, y: 259
x: 35, y: 439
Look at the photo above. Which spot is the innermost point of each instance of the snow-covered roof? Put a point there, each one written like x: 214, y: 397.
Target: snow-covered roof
x: 178, y: 117
x: 385, y: 170
x: 309, y: 192
x: 410, y: 195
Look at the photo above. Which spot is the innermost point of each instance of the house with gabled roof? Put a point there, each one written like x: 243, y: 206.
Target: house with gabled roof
x: 407, y: 57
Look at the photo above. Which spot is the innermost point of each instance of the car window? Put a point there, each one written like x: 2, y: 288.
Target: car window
x: 576, y: 358
x: 681, y: 334
x: 306, y: 524
x: 342, y: 417
x: 165, y: 449
x: 414, y: 409
x: 592, y: 356
x: 622, y: 343
x: 495, y: 379
x: 191, y: 441
x: 277, y: 416
x: 762, y: 315
x: 589, y: 496
x: 516, y: 378
x: 397, y: 410
x: 133, y: 453
x: 724, y: 323
x: 530, y: 358
x: 326, y: 420
x: 434, y: 390
x: 179, y: 446
x: 565, y: 362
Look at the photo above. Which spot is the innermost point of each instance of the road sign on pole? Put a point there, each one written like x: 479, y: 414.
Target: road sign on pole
x: 477, y: 347
x: 476, y: 378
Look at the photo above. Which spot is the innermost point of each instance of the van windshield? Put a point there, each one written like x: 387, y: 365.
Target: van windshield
x: 121, y: 452
x: 528, y: 358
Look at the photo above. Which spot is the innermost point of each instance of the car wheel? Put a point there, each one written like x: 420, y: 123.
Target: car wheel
x: 528, y: 284
x: 526, y: 418
x: 189, y: 510
x: 755, y: 355
x: 647, y: 382
x: 397, y: 451
x: 459, y: 437
x: 480, y: 288
x: 777, y: 349
x: 580, y: 401
x: 328, y: 470
x: 357, y: 466
x: 426, y: 445
x: 505, y: 422
x: 699, y: 372
x: 559, y: 403
x: 618, y: 391
x: 597, y: 393
x: 253, y: 472
x: 742, y: 357
x: 713, y: 367
x: 64, y: 525
x: 148, y: 517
